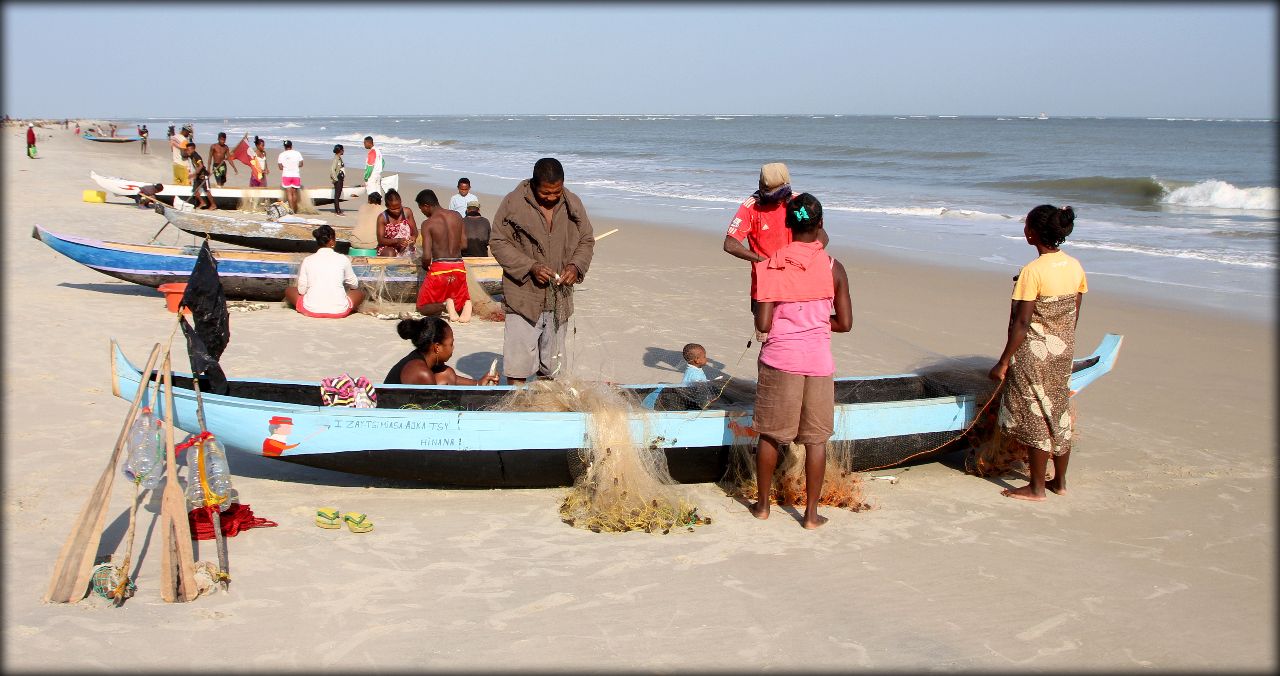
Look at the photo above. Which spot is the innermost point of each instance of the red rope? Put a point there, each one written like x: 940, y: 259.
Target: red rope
x: 238, y: 517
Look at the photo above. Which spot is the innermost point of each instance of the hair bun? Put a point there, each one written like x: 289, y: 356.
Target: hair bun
x: 407, y: 328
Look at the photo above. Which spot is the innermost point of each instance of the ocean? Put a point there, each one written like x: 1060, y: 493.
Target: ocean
x: 1184, y: 209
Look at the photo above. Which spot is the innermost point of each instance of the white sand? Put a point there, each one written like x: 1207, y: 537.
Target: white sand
x: 1160, y: 557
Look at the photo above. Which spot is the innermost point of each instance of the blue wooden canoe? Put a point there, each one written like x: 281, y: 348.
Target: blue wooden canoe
x: 112, y: 139
x: 453, y: 439
x: 245, y: 274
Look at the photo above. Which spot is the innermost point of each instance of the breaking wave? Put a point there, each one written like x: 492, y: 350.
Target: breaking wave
x: 1222, y: 195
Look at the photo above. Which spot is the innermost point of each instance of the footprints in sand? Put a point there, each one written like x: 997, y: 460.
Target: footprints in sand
x: 499, y: 621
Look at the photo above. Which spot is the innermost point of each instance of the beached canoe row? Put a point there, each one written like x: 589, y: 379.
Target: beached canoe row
x: 231, y: 198
x: 246, y: 274
x: 450, y: 436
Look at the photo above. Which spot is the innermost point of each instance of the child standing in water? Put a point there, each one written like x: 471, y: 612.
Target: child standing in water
x: 1036, y: 363
x: 802, y: 296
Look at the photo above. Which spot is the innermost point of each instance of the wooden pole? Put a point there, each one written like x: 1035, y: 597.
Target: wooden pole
x: 177, y: 573
x: 74, y: 567
x: 224, y: 566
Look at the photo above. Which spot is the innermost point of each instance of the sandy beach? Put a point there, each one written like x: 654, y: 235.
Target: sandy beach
x: 1161, y: 557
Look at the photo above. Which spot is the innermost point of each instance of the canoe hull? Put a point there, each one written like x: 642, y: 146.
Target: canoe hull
x: 112, y: 139
x: 230, y: 198
x: 452, y: 439
x: 245, y: 275
x: 263, y: 235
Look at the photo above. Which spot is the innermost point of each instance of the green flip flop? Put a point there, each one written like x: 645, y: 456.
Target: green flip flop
x: 327, y: 517
x: 357, y: 522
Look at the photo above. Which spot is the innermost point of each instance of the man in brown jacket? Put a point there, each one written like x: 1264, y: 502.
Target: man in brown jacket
x: 542, y: 238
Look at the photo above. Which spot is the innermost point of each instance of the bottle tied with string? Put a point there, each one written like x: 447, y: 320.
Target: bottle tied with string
x: 145, y: 465
x: 209, y: 481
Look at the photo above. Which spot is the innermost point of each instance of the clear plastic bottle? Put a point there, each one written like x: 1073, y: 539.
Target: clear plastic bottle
x: 145, y: 463
x: 217, y: 474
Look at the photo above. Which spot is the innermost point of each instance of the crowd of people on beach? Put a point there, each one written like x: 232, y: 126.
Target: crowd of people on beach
x: 542, y: 238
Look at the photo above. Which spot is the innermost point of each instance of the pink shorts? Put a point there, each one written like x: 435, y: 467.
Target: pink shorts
x: 302, y: 310
x: 291, y: 182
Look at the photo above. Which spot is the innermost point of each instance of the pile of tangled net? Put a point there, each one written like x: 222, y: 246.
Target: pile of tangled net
x: 993, y: 453
x: 380, y: 303
x: 841, y: 486
x: 618, y: 485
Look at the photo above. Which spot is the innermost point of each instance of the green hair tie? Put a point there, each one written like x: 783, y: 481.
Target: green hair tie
x: 802, y: 214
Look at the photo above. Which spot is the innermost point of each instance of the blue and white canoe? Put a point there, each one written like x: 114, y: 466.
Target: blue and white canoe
x: 111, y: 139
x: 453, y: 438
x: 231, y: 197
x: 246, y: 274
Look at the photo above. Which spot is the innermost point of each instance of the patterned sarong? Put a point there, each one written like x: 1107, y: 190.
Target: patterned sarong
x: 1035, y: 406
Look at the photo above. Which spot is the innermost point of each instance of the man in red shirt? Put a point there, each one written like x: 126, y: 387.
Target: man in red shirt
x: 761, y: 221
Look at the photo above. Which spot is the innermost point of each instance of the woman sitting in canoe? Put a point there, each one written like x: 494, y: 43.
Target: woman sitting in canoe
x: 395, y: 229
x: 432, y: 340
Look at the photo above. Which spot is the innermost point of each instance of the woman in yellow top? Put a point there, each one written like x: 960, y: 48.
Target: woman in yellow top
x: 1034, y: 408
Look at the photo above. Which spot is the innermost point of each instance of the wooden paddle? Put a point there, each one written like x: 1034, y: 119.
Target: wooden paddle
x: 74, y: 567
x: 177, y: 563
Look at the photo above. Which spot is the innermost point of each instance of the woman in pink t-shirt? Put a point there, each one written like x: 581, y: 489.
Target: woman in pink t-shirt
x: 802, y: 296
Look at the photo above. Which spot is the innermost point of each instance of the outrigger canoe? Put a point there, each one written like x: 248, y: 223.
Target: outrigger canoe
x: 449, y: 436
x: 230, y: 198
x: 292, y: 236
x: 111, y: 139
x: 245, y: 274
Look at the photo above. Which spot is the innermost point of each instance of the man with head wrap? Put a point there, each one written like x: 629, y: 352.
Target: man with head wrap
x: 761, y: 221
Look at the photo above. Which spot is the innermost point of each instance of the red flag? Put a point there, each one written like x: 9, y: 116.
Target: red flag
x: 241, y: 152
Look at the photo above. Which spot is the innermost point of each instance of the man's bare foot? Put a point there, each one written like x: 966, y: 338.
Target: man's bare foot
x: 760, y: 510
x: 1024, y: 493
x: 1055, y: 486
x: 811, y: 522
x: 450, y: 311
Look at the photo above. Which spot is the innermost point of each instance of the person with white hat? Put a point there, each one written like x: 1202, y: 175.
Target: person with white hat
x: 31, y: 141
x: 759, y: 228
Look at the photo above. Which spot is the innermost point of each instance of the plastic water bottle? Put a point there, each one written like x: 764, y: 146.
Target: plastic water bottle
x: 145, y: 463
x: 217, y: 474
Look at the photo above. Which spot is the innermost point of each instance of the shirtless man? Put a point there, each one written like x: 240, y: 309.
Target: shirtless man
x: 218, y: 154
x: 445, y: 285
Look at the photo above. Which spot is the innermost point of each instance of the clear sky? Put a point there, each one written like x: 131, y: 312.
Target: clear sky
x: 239, y: 59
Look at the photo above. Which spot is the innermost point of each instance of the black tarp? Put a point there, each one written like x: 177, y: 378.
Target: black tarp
x: 212, y: 331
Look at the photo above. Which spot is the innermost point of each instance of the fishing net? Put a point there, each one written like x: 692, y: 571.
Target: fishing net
x: 618, y: 485
x: 959, y: 385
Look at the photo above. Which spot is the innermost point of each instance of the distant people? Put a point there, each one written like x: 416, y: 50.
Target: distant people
x: 31, y: 140
x: 113, y: 130
x: 219, y: 154
x: 337, y: 173
x: 459, y: 201
x: 365, y: 233
x: 290, y: 163
x: 396, y: 229
x: 541, y: 237
x: 144, y: 134
x: 147, y: 195
x: 477, y: 229
x: 180, y: 174
x: 1036, y: 363
x: 444, y: 288
x: 760, y: 221
x: 258, y: 167
x: 432, y: 340
x: 78, y: 129
x: 373, y: 165
x: 327, y: 284
x: 802, y: 297
x: 695, y: 357
x: 199, y: 172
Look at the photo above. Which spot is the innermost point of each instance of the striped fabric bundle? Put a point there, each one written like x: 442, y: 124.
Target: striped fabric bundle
x: 343, y: 390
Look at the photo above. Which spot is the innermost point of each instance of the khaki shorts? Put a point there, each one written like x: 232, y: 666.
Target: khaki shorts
x: 180, y: 174
x: 532, y: 349
x: 791, y: 407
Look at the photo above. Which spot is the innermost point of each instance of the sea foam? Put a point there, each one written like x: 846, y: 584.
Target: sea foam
x: 1222, y: 195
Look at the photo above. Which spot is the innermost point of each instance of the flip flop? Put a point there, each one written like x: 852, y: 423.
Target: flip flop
x: 327, y: 517
x: 357, y: 522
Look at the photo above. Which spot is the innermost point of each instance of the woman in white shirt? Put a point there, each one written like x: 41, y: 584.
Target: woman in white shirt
x: 290, y: 162
x: 323, y: 281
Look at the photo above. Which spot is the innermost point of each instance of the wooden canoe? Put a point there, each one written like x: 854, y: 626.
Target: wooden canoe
x: 111, y: 139
x: 245, y: 274
x: 450, y: 436
x: 285, y: 236
x: 230, y: 198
